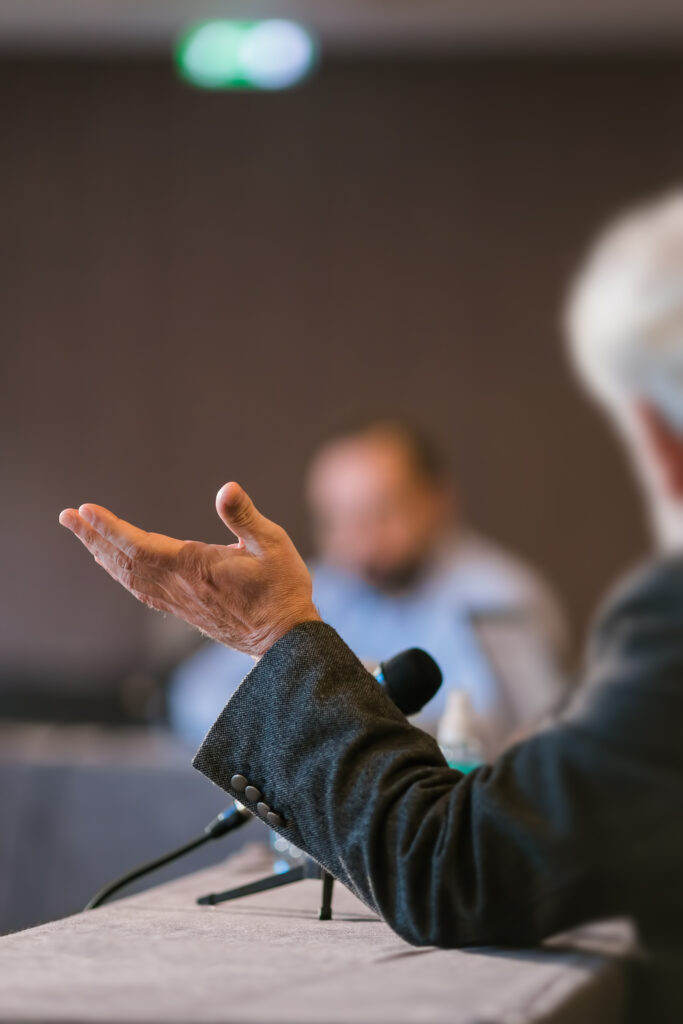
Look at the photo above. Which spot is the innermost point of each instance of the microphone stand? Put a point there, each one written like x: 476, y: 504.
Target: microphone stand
x: 309, y: 869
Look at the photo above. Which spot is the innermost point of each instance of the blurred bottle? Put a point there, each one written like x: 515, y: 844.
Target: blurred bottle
x: 285, y: 854
x: 457, y: 733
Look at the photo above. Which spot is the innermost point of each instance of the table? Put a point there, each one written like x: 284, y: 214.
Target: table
x: 159, y: 957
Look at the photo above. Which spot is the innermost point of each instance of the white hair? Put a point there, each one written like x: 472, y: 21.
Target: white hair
x: 625, y: 312
x: 625, y: 324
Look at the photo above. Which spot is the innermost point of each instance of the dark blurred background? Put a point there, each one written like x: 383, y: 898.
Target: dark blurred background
x: 195, y: 287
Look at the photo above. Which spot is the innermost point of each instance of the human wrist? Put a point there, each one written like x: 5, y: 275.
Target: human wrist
x: 307, y: 613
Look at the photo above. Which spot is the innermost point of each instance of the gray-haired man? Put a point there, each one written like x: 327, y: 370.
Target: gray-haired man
x: 584, y: 819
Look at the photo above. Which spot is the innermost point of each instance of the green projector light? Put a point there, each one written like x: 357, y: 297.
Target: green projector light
x: 273, y: 54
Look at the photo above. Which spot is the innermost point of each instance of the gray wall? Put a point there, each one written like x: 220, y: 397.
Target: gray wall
x: 194, y: 287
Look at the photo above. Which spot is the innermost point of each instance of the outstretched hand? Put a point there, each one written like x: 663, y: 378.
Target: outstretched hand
x: 246, y: 595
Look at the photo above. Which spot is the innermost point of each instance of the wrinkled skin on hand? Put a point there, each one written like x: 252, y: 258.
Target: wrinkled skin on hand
x: 245, y: 595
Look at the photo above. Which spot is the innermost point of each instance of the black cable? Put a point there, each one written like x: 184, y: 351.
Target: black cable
x: 223, y: 823
x: 144, y: 869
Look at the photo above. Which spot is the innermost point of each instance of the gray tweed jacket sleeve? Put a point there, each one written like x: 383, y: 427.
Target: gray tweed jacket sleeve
x: 582, y: 821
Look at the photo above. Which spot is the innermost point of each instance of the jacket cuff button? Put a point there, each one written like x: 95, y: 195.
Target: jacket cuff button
x: 274, y: 820
x: 263, y: 810
x: 253, y: 794
x: 238, y: 783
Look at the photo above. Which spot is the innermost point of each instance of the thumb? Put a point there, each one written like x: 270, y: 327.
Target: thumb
x: 240, y: 515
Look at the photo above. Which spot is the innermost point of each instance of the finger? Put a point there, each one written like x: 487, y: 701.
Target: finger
x: 240, y: 515
x: 140, y: 577
x: 123, y: 535
x: 68, y: 517
x: 89, y: 537
x: 117, y: 563
x: 132, y: 541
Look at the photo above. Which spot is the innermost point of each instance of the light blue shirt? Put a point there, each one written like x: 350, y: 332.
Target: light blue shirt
x: 468, y: 578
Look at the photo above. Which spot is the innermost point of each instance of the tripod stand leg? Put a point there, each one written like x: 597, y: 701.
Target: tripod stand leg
x: 326, y: 905
x: 272, y: 882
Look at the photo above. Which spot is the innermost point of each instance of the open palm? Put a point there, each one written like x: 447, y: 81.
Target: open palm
x: 246, y: 595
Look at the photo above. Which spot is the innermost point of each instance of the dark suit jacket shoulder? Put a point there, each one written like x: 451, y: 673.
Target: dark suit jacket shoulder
x: 584, y: 820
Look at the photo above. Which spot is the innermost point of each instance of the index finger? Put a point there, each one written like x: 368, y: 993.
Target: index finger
x: 129, y: 539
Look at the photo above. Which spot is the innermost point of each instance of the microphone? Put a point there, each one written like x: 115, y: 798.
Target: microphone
x: 410, y: 678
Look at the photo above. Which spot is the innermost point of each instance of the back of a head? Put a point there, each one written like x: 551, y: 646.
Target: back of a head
x: 625, y: 312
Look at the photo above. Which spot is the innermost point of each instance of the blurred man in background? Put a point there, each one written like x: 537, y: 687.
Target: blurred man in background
x: 398, y: 567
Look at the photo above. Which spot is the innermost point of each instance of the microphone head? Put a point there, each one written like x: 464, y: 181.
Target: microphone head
x: 411, y: 679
